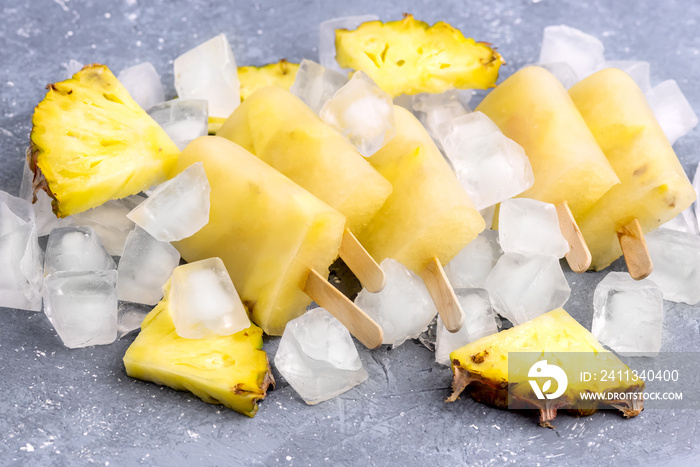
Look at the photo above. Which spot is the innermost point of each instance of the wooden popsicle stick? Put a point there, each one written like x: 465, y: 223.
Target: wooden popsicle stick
x: 365, y: 268
x: 443, y: 295
x: 634, y: 247
x: 360, y: 325
x: 579, y: 256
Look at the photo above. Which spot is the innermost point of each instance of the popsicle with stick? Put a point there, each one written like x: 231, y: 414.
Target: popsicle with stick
x: 534, y: 109
x: 275, y: 238
x: 427, y: 219
x: 281, y: 130
x: 654, y: 187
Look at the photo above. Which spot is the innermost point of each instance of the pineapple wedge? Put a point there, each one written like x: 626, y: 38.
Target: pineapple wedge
x: 90, y: 142
x: 229, y: 370
x: 252, y: 78
x: 410, y: 57
x: 482, y: 367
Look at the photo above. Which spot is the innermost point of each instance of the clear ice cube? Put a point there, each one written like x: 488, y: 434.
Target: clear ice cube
x: 639, y: 71
x: 628, y: 314
x: 318, y: 358
x: 21, y: 261
x: 46, y: 220
x: 583, y: 52
x: 203, y: 301
x: 209, y: 72
x: 438, y: 111
x: 563, y: 72
x: 130, y: 316
x: 672, y: 109
x: 686, y: 222
x: 110, y: 223
x: 474, y: 263
x: 182, y: 119
x: 529, y: 226
x: 76, y: 249
x: 14, y: 212
x: 403, y: 309
x: 315, y: 84
x: 82, y: 306
x: 363, y: 113
x: 143, y: 83
x: 479, y: 321
x: 326, y: 45
x: 71, y: 68
x: 177, y: 208
x: 490, y: 166
x: 522, y: 287
x: 676, y: 259
x: 488, y: 215
x: 145, y: 267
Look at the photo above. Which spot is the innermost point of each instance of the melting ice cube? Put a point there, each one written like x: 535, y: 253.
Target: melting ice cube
x: 628, y: 315
x: 182, y: 119
x: 529, y: 226
x: 143, y: 83
x: 76, y: 249
x: 110, y: 222
x: 672, y: 109
x: 474, y: 263
x: 583, y: 52
x: 326, y: 46
x: 318, y: 358
x: 315, y: 84
x: 676, y: 259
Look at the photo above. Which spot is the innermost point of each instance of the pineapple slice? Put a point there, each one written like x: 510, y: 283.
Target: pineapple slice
x: 410, y: 57
x: 483, y: 367
x: 252, y: 78
x: 90, y: 142
x: 229, y: 370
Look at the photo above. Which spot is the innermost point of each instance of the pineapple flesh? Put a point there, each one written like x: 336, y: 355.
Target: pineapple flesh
x: 410, y: 57
x: 481, y: 367
x: 90, y: 142
x: 229, y: 370
x: 252, y: 78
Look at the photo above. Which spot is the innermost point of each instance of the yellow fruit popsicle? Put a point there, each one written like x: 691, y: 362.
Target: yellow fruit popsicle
x: 428, y: 218
x: 274, y: 237
x: 281, y: 130
x: 654, y: 186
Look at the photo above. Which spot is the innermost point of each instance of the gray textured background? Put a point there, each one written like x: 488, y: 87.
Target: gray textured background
x: 61, y: 406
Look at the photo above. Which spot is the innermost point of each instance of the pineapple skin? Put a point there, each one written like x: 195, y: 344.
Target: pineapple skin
x: 281, y: 74
x: 481, y: 367
x: 90, y: 142
x: 228, y: 370
x: 654, y: 187
x: 411, y: 57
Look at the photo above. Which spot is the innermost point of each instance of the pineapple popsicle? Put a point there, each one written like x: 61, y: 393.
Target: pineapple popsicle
x: 275, y: 238
x: 533, y: 108
x: 654, y: 186
x: 428, y: 218
x: 280, y: 129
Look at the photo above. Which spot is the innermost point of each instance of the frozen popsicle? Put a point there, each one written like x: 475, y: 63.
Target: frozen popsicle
x: 533, y: 108
x: 428, y: 218
x: 281, y: 130
x: 275, y: 238
x: 654, y: 186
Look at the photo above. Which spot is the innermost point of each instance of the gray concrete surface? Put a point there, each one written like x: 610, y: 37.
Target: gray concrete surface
x: 68, y: 407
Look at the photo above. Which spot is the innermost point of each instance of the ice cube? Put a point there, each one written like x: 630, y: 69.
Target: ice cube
x: 209, y: 72
x: 490, y: 166
x: 628, y: 314
x: 529, y: 226
x: 563, y: 72
x: 405, y: 101
x: 14, y: 212
x: 110, y: 223
x: 318, y: 358
x: 638, y: 71
x: 145, y: 267
x: 683, y: 222
x: 522, y: 287
x: 676, y: 259
x: 130, y: 316
x: 403, y: 309
x: 46, y: 220
x: 182, y: 119
x: 71, y: 68
x: 21, y: 264
x: 438, y: 111
x: 143, y: 83
x: 82, y: 306
x: 76, y: 249
x: 326, y: 46
x: 315, y: 84
x: 488, y: 215
x: 363, y: 113
x: 177, y: 208
x: 479, y: 321
x: 672, y: 109
x: 474, y: 263
x: 203, y: 301
x: 583, y: 52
